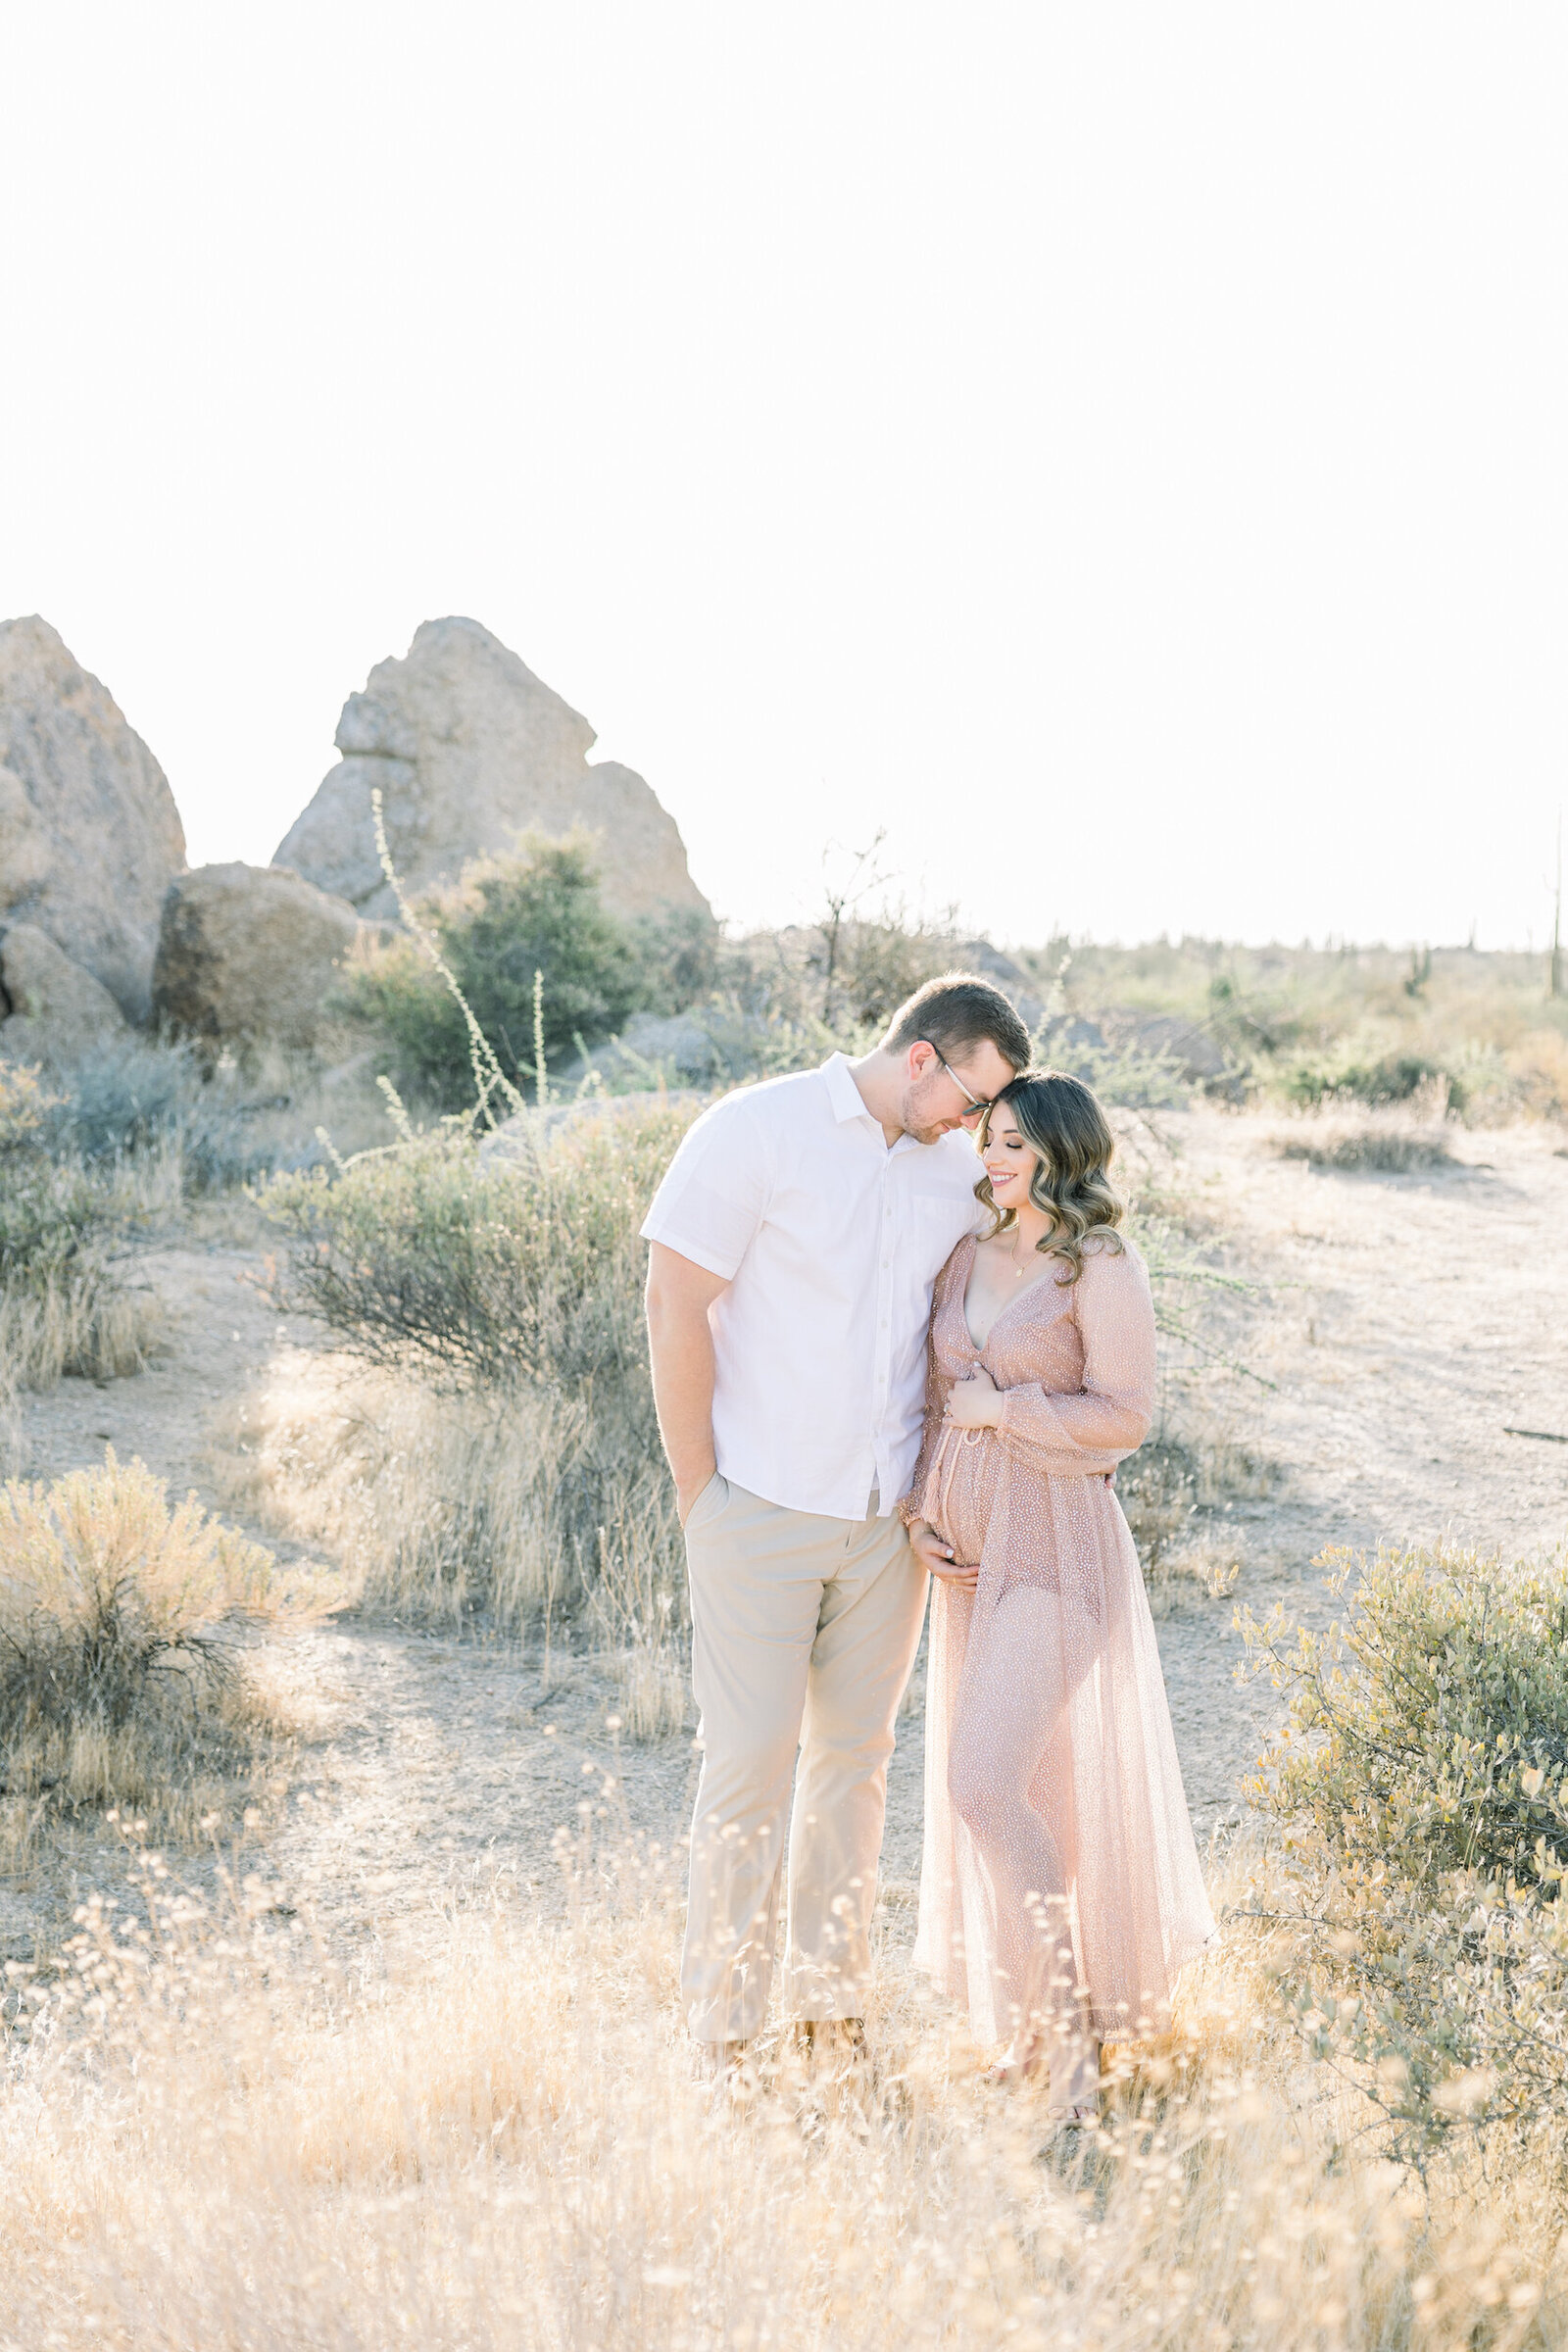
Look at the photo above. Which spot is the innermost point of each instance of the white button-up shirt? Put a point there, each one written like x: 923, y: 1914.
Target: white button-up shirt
x: 830, y: 1240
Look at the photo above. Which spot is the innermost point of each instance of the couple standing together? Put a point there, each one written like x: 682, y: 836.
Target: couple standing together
x: 884, y: 1364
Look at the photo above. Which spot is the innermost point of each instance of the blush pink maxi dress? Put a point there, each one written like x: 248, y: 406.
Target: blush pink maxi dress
x: 1060, y: 1886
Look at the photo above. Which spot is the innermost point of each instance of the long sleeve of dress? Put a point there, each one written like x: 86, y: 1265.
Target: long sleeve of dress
x: 1086, y: 1433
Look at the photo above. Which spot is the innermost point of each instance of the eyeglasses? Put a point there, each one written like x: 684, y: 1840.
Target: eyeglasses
x: 977, y: 1106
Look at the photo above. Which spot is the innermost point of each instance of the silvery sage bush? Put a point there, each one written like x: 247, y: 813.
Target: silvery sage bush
x: 1421, y: 1784
x: 509, y: 1275
x: 481, y: 1268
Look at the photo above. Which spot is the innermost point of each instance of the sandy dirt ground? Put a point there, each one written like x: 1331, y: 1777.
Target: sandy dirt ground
x: 1404, y: 1322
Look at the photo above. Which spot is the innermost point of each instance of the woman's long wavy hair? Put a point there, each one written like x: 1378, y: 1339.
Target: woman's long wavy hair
x: 1061, y: 1119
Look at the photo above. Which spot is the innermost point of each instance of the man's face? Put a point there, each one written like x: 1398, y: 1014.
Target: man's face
x: 940, y: 1095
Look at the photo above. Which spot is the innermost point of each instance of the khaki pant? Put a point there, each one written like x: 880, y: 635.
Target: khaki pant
x: 805, y: 1628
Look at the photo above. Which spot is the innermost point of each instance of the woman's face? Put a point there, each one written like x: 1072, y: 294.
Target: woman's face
x: 1009, y: 1162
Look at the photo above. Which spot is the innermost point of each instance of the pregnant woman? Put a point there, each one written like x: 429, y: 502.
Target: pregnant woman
x: 1060, y: 1892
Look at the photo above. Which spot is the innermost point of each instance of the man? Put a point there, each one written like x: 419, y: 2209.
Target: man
x: 794, y: 1242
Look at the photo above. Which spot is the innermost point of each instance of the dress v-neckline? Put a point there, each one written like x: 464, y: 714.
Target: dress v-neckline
x: 1006, y: 1308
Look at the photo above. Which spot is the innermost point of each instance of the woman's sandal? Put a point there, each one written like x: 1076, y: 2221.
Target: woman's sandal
x: 1007, y: 2073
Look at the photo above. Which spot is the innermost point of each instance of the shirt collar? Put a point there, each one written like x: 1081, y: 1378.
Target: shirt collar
x: 842, y: 1091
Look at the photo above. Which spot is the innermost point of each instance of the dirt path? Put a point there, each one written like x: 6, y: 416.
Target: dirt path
x: 1407, y: 1320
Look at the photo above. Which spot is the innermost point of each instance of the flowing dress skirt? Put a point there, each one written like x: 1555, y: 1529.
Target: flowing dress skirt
x: 1053, y: 1790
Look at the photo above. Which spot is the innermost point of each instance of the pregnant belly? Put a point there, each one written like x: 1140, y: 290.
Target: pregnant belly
x: 960, y: 1491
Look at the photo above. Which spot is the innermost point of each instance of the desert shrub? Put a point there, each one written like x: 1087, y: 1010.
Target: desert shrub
x: 493, y: 1271
x: 509, y: 1466
x: 1422, y: 1782
x: 25, y: 1103
x: 119, y: 1673
x: 1158, y: 1491
x: 1124, y: 1076
x: 1394, y: 1078
x: 871, y: 964
x: 539, y: 912
x: 680, y: 956
x: 80, y: 1321
x: 518, y: 1508
x: 1253, y: 1017
x: 48, y: 1219
x: 1384, y: 1150
x: 721, y: 1043
x: 1177, y: 1491
x: 64, y: 1306
x: 1391, y: 1138
x: 846, y: 972
x: 1538, y: 1074
x: 130, y: 1095
x: 138, y: 1102
x: 1303, y: 1023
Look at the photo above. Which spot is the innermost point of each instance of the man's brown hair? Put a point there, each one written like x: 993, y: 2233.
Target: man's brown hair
x: 954, y: 1013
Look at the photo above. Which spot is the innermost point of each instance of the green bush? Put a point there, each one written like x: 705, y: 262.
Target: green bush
x: 1422, y: 1784
x: 539, y: 912
x: 63, y: 1308
x: 679, y: 955
x: 1394, y: 1078
x: 145, y: 1095
x: 45, y: 1215
x: 48, y: 1219
x: 483, y: 1271
x: 519, y: 1281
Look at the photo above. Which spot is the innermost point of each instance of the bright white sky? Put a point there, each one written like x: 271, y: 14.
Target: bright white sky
x: 1120, y: 450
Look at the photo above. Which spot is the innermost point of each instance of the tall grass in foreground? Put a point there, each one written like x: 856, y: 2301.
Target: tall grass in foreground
x: 214, y: 2141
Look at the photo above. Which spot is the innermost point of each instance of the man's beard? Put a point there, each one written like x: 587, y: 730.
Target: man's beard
x: 917, y: 1110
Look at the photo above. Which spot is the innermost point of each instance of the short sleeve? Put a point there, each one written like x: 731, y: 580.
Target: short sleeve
x: 715, y: 1191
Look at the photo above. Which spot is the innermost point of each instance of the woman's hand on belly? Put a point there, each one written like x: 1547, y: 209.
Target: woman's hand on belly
x: 936, y: 1558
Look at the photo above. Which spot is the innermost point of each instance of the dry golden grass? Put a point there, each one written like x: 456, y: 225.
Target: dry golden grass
x: 1382, y: 1146
x: 453, y: 1507
x: 96, y: 1329
x: 1392, y: 1138
x: 124, y: 1680
x: 215, y: 2141
x: 1538, y: 1065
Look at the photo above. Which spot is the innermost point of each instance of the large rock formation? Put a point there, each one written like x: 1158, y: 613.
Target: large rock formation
x: 90, y: 834
x: 469, y: 748
x: 51, y: 1009
x: 249, y: 956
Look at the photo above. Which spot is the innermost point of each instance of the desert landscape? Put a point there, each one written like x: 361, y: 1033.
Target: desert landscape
x: 342, y: 1804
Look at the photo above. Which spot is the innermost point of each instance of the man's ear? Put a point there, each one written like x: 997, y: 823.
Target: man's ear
x: 919, y: 1058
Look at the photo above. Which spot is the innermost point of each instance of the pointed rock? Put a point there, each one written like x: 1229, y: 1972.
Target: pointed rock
x: 469, y: 748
